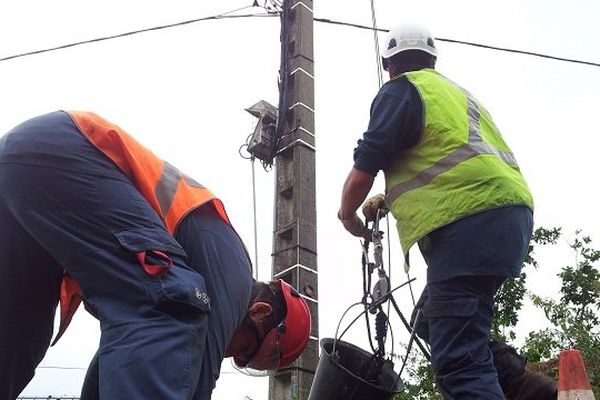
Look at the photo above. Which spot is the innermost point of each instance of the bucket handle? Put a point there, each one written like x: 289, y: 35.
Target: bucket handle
x: 372, y: 306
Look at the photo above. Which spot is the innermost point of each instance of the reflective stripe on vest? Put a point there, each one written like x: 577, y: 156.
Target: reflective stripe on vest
x: 167, y: 186
x: 474, y: 147
x: 171, y: 193
x: 461, y: 165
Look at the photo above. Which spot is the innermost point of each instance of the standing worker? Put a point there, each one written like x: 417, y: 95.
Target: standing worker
x: 454, y: 187
x: 87, y: 213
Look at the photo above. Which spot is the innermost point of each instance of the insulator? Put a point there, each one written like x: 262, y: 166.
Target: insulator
x: 381, y: 327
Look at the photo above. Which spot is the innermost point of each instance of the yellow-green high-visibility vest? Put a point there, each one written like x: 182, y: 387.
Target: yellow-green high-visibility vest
x: 461, y: 165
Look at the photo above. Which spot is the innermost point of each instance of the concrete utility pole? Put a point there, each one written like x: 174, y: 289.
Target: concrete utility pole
x: 295, y: 225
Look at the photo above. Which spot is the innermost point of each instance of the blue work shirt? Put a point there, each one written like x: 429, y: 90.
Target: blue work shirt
x: 486, y: 243
x: 75, y: 209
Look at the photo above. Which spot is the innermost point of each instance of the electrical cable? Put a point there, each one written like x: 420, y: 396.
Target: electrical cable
x: 342, y: 318
x: 155, y: 28
x: 366, y: 285
x: 277, y: 5
x: 270, y: 13
x: 381, y: 325
x: 372, y: 306
x: 391, y: 331
x: 389, y: 271
x: 412, y: 294
x: 389, y: 256
x: 283, y: 82
x: 252, y: 159
x: 245, y: 145
x: 529, y: 53
x: 407, y: 325
x: 255, y: 222
x: 410, y: 343
x: 368, y: 322
x: 408, y: 348
x: 389, y: 277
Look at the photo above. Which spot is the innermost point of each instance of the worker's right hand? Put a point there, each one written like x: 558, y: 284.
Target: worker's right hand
x: 374, y: 203
x: 356, y: 227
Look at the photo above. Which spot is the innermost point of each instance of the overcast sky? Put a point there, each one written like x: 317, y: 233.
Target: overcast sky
x: 182, y: 93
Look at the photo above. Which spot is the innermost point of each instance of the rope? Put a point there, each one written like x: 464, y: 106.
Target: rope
x: 252, y: 159
x: 376, y: 40
x: 380, y: 81
x: 255, y: 223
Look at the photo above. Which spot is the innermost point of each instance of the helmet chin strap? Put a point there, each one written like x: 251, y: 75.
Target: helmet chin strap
x: 267, y: 357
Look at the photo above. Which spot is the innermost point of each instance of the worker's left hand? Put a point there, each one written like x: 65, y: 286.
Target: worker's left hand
x: 356, y: 227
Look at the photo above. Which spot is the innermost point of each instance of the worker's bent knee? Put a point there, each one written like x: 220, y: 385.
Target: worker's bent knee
x: 461, y: 359
x: 455, y: 333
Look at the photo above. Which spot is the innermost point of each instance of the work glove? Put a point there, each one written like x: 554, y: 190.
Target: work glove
x: 356, y: 227
x: 374, y: 203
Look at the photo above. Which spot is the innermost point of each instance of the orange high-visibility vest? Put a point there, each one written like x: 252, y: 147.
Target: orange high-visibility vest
x: 169, y: 192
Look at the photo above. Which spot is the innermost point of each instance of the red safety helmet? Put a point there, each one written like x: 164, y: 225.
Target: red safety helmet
x: 284, y: 343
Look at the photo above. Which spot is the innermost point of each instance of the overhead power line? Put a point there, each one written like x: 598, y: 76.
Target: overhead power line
x: 271, y: 13
x: 59, y: 367
x: 155, y: 28
x: 529, y: 53
x: 485, y: 46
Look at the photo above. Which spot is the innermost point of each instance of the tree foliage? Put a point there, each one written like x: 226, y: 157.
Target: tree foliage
x: 418, y: 380
x: 574, y: 317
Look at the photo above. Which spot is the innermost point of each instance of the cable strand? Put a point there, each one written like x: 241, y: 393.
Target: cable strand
x: 135, y: 32
x: 376, y: 41
x: 529, y: 53
x: 271, y: 13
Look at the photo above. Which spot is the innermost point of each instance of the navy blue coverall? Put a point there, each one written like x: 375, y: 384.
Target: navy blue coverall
x: 467, y: 260
x: 64, y: 205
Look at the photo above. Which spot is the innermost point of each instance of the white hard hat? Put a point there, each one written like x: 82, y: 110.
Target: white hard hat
x: 408, y: 37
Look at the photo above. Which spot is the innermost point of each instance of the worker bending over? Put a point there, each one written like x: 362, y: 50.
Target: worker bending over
x: 86, y: 212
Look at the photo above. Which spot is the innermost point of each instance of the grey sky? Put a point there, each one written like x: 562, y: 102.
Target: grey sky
x: 182, y: 92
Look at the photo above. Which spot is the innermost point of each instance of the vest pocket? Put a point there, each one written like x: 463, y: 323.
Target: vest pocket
x: 172, y: 286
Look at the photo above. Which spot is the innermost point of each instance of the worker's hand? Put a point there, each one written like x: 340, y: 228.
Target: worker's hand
x: 370, y: 207
x: 356, y: 227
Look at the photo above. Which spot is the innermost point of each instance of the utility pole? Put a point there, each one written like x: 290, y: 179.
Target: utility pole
x: 295, y: 223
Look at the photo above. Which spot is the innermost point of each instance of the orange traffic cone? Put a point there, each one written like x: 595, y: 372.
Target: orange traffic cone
x: 573, y: 380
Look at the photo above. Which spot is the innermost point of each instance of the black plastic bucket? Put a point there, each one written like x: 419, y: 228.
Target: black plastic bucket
x: 351, y: 374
